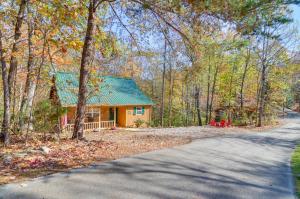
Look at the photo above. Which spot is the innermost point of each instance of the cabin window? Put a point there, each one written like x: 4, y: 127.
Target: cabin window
x: 92, y: 115
x: 139, y: 110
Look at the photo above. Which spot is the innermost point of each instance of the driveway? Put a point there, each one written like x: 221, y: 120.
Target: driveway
x: 231, y: 166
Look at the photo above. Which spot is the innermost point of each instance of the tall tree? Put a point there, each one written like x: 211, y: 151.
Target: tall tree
x: 162, y: 108
x: 198, y: 103
x: 6, y: 102
x: 86, y: 59
x: 8, y: 79
x: 30, y: 86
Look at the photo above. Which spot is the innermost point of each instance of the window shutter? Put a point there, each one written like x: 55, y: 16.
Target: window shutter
x: 134, y: 110
x: 143, y: 110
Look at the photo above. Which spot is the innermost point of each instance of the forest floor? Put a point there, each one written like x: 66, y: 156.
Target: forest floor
x: 20, y: 162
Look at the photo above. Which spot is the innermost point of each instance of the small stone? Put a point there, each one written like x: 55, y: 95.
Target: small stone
x: 23, y: 185
x: 45, y: 149
x: 20, y: 155
x: 7, y: 159
x: 31, y: 151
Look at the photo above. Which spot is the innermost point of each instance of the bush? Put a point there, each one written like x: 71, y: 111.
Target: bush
x: 241, y: 120
x: 139, y: 122
x: 46, y: 116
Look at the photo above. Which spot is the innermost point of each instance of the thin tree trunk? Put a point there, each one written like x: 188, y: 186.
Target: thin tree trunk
x: 187, y: 105
x: 182, y: 103
x: 6, y: 102
x: 257, y: 97
x: 262, y: 96
x: 171, y: 96
x: 163, y: 87
x: 243, y: 80
x: 30, y: 85
x: 230, y: 89
x: 213, y: 91
x: 197, y: 102
x: 84, y: 72
x: 13, y: 104
x: 208, y: 93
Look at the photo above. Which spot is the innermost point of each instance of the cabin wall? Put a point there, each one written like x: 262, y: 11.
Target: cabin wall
x: 122, y: 116
x: 131, y: 118
x: 104, y: 113
x: 71, y: 114
x: 126, y: 117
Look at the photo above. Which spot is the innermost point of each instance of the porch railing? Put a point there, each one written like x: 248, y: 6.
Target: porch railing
x: 92, y: 126
x: 107, y: 124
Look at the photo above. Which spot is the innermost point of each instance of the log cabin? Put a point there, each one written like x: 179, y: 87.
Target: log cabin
x: 111, y: 102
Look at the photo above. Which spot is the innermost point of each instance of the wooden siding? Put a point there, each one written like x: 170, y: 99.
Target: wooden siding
x: 122, y: 116
x: 71, y: 114
x: 125, y: 117
x: 131, y: 118
x: 104, y: 113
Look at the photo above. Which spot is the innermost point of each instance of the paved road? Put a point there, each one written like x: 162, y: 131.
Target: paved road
x: 239, y: 166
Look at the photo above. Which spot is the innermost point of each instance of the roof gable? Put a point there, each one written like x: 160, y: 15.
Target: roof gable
x: 107, y: 90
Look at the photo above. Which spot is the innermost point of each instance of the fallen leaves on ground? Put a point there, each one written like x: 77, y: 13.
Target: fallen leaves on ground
x: 30, y: 161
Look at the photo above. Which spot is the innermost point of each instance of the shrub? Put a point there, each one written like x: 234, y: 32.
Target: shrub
x: 139, y: 122
x: 241, y: 120
x: 46, y: 116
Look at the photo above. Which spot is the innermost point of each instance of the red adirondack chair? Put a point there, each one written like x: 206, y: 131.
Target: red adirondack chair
x: 223, y: 123
x: 213, y: 123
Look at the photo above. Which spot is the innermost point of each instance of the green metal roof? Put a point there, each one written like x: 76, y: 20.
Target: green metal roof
x: 107, y: 90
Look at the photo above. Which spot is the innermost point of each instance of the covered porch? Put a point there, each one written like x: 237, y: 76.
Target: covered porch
x: 96, y: 118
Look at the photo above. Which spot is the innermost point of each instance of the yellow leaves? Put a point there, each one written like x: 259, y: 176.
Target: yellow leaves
x: 76, y: 44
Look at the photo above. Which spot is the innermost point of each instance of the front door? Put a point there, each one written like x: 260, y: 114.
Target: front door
x: 111, y: 114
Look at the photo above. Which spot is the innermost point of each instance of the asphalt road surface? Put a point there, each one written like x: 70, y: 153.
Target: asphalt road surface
x: 236, y: 166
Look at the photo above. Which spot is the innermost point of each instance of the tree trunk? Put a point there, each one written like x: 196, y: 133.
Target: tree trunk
x: 6, y: 114
x: 208, y: 93
x: 31, y: 95
x: 84, y: 72
x: 171, y: 96
x: 9, y: 74
x: 243, y: 80
x: 187, y: 105
x: 163, y: 87
x: 182, y: 103
x: 30, y: 85
x: 262, y: 97
x: 197, y: 102
x: 15, y: 47
x: 213, y: 92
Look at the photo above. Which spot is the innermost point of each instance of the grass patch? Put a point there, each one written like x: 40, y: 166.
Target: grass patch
x: 296, y: 169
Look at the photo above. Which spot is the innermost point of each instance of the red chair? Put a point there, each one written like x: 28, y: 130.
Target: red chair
x: 213, y: 123
x: 223, y: 123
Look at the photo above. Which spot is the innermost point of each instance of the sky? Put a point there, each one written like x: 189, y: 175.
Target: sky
x: 296, y: 16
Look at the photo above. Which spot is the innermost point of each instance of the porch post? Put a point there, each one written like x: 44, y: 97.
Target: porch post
x: 99, y: 118
x: 64, y: 120
x: 115, y: 116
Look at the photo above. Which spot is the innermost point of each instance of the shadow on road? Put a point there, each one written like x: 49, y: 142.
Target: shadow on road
x: 252, y: 166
